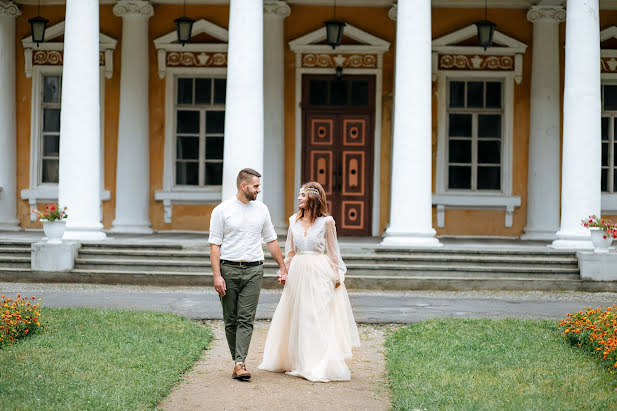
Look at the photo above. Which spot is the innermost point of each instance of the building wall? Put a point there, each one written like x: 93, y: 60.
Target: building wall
x: 302, y: 20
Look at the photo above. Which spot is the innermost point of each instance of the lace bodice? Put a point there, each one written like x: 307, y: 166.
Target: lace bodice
x: 320, y: 237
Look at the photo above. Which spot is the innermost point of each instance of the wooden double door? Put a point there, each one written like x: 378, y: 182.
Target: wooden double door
x: 338, y: 153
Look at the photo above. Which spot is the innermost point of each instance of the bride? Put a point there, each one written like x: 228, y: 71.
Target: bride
x: 313, y: 328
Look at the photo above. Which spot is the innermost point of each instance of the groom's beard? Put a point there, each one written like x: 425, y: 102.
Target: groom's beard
x: 250, y: 196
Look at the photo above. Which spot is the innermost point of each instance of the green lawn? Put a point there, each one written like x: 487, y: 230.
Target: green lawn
x: 486, y: 364
x: 99, y: 359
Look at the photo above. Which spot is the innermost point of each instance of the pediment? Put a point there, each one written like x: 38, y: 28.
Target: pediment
x: 464, y: 41
x: 204, y: 34
x: 608, y: 40
x: 54, y: 40
x: 354, y: 40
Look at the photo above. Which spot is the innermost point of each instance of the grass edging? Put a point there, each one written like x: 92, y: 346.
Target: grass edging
x: 488, y: 364
x: 104, y: 359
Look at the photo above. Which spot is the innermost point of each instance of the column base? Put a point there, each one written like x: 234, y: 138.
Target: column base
x: 410, y: 240
x: 86, y: 234
x: 539, y: 234
x: 10, y: 225
x: 132, y: 228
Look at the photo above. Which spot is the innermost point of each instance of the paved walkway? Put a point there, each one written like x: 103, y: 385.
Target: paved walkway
x: 369, y: 307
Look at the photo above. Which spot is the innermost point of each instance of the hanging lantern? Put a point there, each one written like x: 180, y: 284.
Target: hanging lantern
x: 334, y: 32
x: 184, y: 26
x: 486, y: 29
x: 38, y: 25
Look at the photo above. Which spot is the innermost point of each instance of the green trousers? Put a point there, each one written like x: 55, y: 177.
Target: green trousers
x: 239, y: 306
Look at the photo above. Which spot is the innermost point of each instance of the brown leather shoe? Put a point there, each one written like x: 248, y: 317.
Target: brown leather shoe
x: 240, y: 372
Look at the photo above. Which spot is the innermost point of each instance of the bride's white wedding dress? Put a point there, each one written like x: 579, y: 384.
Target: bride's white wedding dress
x: 313, y: 328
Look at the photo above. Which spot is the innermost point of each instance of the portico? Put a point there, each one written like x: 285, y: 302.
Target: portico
x: 425, y: 134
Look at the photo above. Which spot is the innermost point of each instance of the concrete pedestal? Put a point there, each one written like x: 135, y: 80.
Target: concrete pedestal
x: 54, y: 257
x: 597, y: 266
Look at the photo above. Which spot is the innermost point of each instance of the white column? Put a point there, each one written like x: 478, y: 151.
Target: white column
x: 133, y: 166
x: 244, y: 107
x: 410, y: 203
x: 274, y: 112
x: 8, y: 152
x: 580, y: 178
x: 80, y: 160
x: 544, y: 138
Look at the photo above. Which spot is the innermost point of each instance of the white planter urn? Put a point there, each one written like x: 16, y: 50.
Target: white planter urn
x: 54, y: 230
x: 600, y: 243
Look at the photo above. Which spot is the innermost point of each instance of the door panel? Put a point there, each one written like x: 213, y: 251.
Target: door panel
x: 337, y: 146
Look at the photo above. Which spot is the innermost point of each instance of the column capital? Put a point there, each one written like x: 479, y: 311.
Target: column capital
x: 546, y: 14
x: 9, y: 9
x: 392, y: 12
x: 133, y: 8
x: 276, y: 8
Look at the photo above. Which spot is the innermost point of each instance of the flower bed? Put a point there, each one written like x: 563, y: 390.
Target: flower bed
x: 594, y: 329
x: 20, y: 318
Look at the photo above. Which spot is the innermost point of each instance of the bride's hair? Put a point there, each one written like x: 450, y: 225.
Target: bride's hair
x: 316, y: 205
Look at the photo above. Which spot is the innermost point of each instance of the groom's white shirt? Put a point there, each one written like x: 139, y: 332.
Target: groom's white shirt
x: 239, y: 228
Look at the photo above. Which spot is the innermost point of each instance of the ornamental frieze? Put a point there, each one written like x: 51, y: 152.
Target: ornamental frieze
x: 608, y: 64
x: 342, y: 60
x: 55, y: 58
x: 467, y: 62
x: 196, y: 59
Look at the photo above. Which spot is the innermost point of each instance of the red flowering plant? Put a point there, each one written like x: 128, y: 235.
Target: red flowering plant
x: 19, y: 317
x: 52, y: 212
x: 609, y: 228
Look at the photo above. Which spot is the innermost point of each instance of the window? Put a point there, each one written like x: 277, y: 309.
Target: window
x: 609, y: 138
x: 474, y: 135
x: 199, y: 131
x: 325, y: 92
x: 50, y: 128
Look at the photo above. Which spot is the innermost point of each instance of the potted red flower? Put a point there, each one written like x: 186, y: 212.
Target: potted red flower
x: 54, y: 221
x: 602, y: 232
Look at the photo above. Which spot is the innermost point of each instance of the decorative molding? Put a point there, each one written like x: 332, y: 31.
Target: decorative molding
x: 9, y: 9
x: 50, y: 52
x: 47, y: 57
x: 196, y: 59
x: 275, y: 8
x: 608, y: 64
x: 340, y: 60
x: 475, y: 201
x: 468, y: 62
x: 507, y: 55
x: 393, y: 12
x: 546, y: 14
x: 170, y: 53
x: 129, y: 8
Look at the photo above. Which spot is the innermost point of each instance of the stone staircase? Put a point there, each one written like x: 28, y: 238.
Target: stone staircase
x: 447, y: 268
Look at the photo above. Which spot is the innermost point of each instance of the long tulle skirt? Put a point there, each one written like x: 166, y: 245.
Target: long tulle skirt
x: 313, y: 329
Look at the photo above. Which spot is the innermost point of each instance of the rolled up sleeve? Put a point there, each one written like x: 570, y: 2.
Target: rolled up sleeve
x: 216, y: 227
x: 267, y: 232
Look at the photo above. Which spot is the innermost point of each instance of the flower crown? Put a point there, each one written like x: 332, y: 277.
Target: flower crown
x: 310, y: 190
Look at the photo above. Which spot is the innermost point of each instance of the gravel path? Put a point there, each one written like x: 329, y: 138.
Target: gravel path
x: 209, y: 386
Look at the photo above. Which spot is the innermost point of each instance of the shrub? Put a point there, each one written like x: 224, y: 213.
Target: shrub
x: 594, y: 329
x: 20, y: 318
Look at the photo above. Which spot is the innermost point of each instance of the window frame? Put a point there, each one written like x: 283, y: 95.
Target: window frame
x: 609, y: 200
x: 203, y: 135
x: 48, y: 192
x: 474, y: 139
x: 172, y: 193
x: 463, y: 198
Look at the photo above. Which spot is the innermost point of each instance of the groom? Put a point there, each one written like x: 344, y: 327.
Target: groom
x: 237, y: 226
